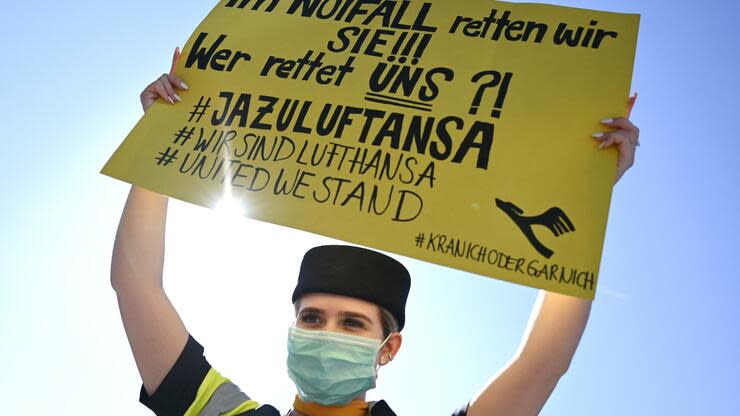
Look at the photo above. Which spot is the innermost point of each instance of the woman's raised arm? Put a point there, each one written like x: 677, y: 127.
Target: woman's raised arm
x: 523, y: 386
x: 556, y: 323
x: 155, y: 332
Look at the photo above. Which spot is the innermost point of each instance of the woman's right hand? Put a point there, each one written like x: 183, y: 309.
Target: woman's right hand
x: 164, y: 87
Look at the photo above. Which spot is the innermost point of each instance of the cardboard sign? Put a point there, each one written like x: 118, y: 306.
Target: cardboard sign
x: 457, y: 133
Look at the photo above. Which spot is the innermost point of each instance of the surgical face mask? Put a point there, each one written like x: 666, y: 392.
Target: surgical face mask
x: 330, y: 368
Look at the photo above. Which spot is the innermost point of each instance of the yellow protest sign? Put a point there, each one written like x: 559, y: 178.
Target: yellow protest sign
x: 452, y: 132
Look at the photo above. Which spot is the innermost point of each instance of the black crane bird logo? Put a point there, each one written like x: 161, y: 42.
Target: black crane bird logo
x: 554, y: 219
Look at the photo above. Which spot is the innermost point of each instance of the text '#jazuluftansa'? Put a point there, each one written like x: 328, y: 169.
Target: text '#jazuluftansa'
x: 446, y: 138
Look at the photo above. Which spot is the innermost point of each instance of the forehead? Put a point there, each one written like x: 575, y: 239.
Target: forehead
x: 332, y: 304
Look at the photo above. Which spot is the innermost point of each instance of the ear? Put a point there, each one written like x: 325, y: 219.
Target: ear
x: 390, y: 349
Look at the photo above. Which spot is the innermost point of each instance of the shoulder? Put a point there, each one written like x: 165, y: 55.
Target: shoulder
x: 264, y: 410
x: 192, y: 387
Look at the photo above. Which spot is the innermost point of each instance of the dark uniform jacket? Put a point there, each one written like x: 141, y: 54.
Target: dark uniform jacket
x: 194, y: 388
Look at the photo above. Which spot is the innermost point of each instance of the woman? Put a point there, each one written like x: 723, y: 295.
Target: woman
x: 345, y: 328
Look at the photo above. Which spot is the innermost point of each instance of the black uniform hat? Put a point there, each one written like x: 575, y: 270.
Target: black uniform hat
x: 356, y: 272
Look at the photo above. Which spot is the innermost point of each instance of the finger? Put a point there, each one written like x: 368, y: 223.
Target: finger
x: 177, y: 82
x: 599, y: 135
x: 617, y: 137
x: 621, y: 123
x: 169, y: 89
x: 175, y: 58
x: 162, y: 90
x: 630, y: 104
x: 174, y: 79
x: 624, y: 124
x: 631, y: 135
x: 165, y: 78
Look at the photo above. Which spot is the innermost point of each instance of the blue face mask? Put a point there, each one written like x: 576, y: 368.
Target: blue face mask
x: 330, y: 368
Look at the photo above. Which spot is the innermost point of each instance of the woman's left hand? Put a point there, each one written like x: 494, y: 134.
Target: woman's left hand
x: 626, y: 138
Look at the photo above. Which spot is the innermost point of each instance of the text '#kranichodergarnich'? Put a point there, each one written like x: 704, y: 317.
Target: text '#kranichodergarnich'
x: 454, y: 247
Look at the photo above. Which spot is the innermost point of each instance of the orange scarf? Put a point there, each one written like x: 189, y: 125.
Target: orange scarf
x: 353, y: 408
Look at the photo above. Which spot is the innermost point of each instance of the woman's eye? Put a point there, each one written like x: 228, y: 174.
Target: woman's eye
x: 310, y: 318
x: 354, y: 323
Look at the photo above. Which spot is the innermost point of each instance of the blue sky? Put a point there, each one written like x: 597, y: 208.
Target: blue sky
x: 662, y: 337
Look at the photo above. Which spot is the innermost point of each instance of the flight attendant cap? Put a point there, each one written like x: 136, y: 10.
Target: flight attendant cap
x: 356, y: 272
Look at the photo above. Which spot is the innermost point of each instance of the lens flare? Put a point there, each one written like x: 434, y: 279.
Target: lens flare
x: 229, y: 205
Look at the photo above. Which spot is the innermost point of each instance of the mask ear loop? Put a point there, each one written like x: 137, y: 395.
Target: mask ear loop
x: 377, y: 367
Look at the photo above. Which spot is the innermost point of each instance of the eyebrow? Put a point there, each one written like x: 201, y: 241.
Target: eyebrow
x: 309, y: 309
x: 343, y: 313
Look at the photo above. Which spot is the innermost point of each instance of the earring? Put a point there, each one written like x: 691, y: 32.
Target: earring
x: 384, y: 360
